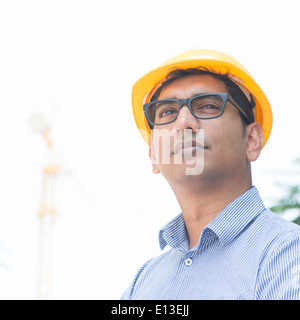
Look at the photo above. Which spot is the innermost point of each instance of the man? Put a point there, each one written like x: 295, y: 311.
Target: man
x: 225, y: 244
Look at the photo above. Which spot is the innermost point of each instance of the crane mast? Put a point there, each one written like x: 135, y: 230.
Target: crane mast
x: 47, y: 213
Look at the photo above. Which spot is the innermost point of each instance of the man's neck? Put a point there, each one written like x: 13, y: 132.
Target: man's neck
x: 201, y: 205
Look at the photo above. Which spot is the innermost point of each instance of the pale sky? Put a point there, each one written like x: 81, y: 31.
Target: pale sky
x: 85, y: 56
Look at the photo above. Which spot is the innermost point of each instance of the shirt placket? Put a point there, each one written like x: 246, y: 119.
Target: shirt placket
x: 186, y: 266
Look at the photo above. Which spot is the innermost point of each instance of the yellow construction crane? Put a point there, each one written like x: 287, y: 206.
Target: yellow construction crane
x: 47, y: 213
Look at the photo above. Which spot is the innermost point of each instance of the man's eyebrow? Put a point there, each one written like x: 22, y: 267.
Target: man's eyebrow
x: 194, y: 95
x: 171, y: 98
x: 160, y: 103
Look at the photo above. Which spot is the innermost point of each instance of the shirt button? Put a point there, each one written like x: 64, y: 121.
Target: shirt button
x: 188, y: 261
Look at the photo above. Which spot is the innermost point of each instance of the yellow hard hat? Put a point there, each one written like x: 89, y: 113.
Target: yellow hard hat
x: 214, y: 61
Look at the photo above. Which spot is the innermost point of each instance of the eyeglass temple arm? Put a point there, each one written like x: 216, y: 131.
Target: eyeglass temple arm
x: 252, y: 102
x: 252, y: 105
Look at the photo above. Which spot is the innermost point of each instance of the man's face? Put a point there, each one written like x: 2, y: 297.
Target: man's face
x: 223, y: 149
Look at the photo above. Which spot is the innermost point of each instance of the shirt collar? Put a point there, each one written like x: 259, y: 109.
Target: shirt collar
x: 227, y: 225
x: 234, y: 218
x: 174, y: 233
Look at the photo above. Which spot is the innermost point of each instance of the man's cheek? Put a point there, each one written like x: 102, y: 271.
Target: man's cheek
x: 162, y: 141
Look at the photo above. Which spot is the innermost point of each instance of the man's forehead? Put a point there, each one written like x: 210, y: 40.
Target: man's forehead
x: 191, y: 85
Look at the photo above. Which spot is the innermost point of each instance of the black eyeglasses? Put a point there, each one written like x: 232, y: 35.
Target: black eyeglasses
x: 203, y: 106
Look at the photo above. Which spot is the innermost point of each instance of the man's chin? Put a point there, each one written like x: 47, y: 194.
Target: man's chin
x: 182, y: 172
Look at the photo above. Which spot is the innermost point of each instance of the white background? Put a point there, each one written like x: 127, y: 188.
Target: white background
x: 84, y: 56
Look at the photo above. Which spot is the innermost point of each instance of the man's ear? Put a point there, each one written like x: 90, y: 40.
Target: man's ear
x: 152, y: 157
x: 255, y: 141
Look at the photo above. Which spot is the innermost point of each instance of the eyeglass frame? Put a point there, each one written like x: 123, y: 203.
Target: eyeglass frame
x: 181, y: 102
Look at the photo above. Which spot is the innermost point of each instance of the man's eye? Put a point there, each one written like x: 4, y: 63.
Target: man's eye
x: 166, y: 112
x: 209, y: 106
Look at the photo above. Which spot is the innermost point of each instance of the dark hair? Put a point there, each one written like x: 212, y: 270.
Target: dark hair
x: 233, y: 89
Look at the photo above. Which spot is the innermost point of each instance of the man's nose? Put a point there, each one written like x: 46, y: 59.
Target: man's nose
x: 185, y: 120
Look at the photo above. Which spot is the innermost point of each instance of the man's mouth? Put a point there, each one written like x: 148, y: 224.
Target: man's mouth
x: 188, y: 147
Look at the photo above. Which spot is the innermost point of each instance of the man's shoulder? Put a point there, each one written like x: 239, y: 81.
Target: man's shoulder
x: 274, y: 224
x: 274, y: 232
x: 146, y: 269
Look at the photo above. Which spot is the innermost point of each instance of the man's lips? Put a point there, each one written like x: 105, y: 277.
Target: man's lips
x: 185, y: 146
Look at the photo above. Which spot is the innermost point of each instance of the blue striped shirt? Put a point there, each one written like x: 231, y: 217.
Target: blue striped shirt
x: 246, y: 252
